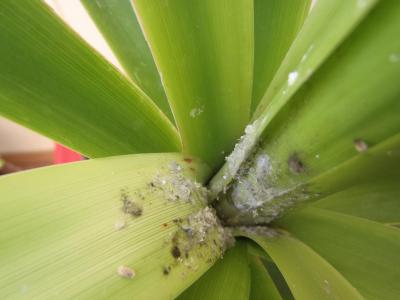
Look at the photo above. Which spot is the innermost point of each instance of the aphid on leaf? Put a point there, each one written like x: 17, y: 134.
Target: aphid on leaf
x: 126, y: 272
x: 360, y: 145
x: 176, y: 252
x: 296, y: 166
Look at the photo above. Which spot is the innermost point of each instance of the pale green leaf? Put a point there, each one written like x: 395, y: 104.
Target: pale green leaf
x: 365, y: 252
x: 228, y: 279
x: 378, y: 200
x: 204, y: 53
x: 353, y: 96
x: 54, y: 83
x: 348, y: 84
x: 276, y: 23
x: 262, y: 285
x: 66, y: 230
x: 308, y: 275
x: 349, y: 107
x: 328, y: 24
x: 117, y: 21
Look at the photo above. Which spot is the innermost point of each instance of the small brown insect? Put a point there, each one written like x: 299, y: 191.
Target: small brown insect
x: 360, y: 145
x: 166, y: 270
x: 296, y: 166
x: 126, y: 272
x: 188, y: 160
x: 176, y: 252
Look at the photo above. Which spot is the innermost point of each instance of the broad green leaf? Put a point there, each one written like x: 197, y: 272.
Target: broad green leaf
x: 328, y: 24
x: 276, y: 23
x: 54, y: 83
x: 228, y: 279
x: 345, y: 100
x: 365, y: 252
x: 117, y: 21
x: 262, y: 285
x: 377, y: 201
x: 204, y: 53
x: 318, y: 102
x: 340, y: 113
x: 308, y: 275
x: 255, y: 200
x: 74, y: 231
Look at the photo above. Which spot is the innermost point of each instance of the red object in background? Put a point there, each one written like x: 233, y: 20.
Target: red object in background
x: 65, y: 155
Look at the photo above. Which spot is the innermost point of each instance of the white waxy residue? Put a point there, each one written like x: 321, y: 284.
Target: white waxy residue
x: 242, y: 148
x: 292, y: 77
x: 120, y: 224
x: 253, y: 190
x: 195, y: 112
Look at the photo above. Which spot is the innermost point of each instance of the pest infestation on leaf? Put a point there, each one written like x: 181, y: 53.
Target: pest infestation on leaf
x: 301, y: 99
x: 129, y: 206
x: 360, y: 145
x: 126, y: 272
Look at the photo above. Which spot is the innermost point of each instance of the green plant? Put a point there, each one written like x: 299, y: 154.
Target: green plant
x: 310, y: 192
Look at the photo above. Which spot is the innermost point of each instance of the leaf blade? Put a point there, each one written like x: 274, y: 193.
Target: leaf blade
x: 66, y: 230
x: 276, y: 24
x: 372, y: 247
x: 54, y: 83
x: 227, y: 279
x: 345, y: 87
x: 209, y: 88
x: 316, y: 41
x: 117, y: 21
x: 308, y: 275
x: 376, y: 201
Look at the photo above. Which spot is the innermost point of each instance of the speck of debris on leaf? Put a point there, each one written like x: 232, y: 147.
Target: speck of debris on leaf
x: 129, y: 206
x: 360, y: 145
x: 121, y: 224
x: 176, y: 187
x: 296, y: 166
x: 264, y: 231
x: 176, y: 252
x: 199, y: 237
x: 177, y: 221
x: 166, y: 270
x: 126, y: 272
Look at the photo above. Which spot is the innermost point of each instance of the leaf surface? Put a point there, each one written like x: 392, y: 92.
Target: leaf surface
x: 327, y: 26
x: 364, y: 252
x: 118, y: 23
x: 74, y: 231
x: 228, y: 279
x: 377, y: 201
x: 276, y: 23
x: 341, y: 113
x: 308, y: 275
x: 53, y: 82
x: 204, y: 53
